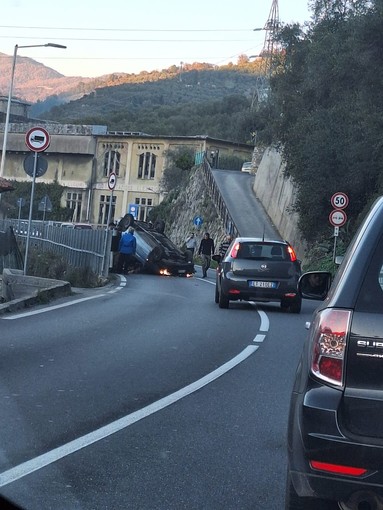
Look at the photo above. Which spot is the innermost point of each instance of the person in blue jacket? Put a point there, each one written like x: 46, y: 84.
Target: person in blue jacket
x: 127, y: 250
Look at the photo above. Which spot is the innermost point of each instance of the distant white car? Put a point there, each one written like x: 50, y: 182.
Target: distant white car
x: 247, y: 167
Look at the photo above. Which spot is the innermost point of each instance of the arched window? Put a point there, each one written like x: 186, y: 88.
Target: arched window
x: 147, y: 165
x: 112, y: 162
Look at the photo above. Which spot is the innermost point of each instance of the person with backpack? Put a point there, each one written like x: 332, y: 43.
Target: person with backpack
x: 127, y: 250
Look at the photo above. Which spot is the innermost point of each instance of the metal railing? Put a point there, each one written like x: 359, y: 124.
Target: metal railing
x: 81, y: 248
x: 219, y: 203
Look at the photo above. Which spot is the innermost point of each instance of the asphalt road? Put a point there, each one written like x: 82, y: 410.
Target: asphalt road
x: 147, y: 396
x: 245, y: 209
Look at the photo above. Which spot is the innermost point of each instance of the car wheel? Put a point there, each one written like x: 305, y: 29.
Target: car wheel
x: 291, y: 306
x: 223, y: 301
x: 126, y: 221
x: 295, y: 502
x: 284, y: 305
x: 216, y: 294
x: 296, y: 306
x: 159, y: 226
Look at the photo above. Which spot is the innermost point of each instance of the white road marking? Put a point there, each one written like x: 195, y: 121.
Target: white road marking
x: 63, y: 305
x: 48, y: 458
x: 259, y: 338
x: 265, y: 323
x: 48, y: 309
x: 30, y: 466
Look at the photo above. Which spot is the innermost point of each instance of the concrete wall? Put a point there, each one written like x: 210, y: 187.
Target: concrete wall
x: 277, y: 194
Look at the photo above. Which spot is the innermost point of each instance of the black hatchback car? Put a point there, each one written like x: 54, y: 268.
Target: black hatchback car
x: 254, y: 269
x: 335, y: 431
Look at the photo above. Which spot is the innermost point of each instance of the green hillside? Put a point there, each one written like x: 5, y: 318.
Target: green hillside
x: 211, y: 102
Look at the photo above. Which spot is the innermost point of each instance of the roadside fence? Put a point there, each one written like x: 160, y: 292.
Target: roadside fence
x: 81, y: 248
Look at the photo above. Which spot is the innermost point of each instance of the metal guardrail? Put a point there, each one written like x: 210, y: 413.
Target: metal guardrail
x: 215, y: 195
x: 81, y: 248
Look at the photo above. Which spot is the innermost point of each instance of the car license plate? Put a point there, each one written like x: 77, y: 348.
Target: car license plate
x: 263, y: 285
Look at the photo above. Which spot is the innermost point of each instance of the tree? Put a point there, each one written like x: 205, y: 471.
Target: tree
x: 179, y: 163
x: 324, y: 110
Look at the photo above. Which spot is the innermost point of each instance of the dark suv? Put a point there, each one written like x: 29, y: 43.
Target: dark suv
x: 335, y: 432
x: 254, y: 269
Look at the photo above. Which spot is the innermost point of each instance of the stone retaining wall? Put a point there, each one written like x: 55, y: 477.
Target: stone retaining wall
x: 277, y: 195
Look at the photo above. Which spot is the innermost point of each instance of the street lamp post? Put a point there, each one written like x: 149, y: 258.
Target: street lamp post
x: 51, y: 45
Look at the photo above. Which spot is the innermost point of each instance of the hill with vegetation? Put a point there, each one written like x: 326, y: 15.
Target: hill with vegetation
x: 195, y: 99
x: 198, y: 102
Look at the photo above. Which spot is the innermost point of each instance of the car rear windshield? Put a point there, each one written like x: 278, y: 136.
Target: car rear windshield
x: 263, y: 251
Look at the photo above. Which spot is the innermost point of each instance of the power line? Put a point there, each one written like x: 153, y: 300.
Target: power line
x: 132, y: 29
x: 125, y: 40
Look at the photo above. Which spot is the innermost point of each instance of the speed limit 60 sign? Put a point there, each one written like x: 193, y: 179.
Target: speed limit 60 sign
x: 339, y: 200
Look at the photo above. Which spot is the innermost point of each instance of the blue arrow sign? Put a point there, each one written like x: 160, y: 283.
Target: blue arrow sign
x: 198, y: 221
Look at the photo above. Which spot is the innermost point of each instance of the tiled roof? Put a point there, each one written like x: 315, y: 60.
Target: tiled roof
x: 5, y: 185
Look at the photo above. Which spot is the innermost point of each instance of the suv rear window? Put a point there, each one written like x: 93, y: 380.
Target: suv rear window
x: 370, y: 298
x: 262, y: 251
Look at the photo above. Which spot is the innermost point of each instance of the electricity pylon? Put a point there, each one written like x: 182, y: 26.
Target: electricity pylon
x: 269, y: 47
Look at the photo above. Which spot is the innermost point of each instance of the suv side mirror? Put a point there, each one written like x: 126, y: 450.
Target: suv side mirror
x: 314, y: 285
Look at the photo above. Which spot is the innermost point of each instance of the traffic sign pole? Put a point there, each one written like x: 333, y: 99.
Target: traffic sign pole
x: 112, y: 180
x: 337, y: 216
x: 30, y: 214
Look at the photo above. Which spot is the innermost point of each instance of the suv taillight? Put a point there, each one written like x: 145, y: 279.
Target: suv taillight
x: 330, y: 333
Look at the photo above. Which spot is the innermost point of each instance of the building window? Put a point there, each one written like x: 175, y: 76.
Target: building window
x: 144, y: 207
x: 147, y: 165
x: 112, y: 163
x: 74, y: 202
x: 103, y: 209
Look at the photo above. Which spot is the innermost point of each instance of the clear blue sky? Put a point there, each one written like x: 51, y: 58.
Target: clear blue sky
x: 132, y: 35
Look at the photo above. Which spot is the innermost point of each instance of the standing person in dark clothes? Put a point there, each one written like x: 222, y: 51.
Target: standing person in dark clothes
x: 206, y: 250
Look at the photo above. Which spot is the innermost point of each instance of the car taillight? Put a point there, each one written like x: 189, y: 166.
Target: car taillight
x: 330, y: 334
x: 293, y: 256
x: 339, y: 469
x: 234, y: 251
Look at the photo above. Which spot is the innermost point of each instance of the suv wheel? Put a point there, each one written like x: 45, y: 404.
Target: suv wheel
x: 216, y: 295
x: 295, y: 502
x: 223, y: 301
